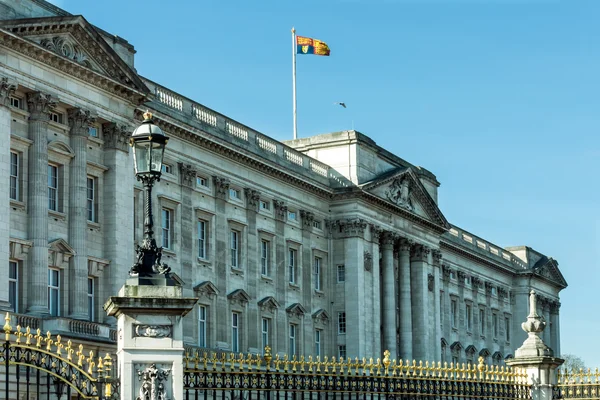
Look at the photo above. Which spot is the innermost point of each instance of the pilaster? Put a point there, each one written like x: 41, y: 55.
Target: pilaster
x: 375, y: 331
x: 252, y: 197
x: 389, y: 294
x: 221, y: 260
x: 421, y: 331
x: 436, y: 256
x: 406, y: 323
x: 187, y: 176
x: 308, y: 291
x: 39, y: 106
x: 281, y: 283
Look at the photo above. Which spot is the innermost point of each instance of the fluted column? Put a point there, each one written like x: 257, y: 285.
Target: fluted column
x: 406, y: 338
x: 437, y: 340
x: 389, y: 294
x: 39, y: 105
x: 376, y: 332
x: 420, y: 311
x: 555, y: 319
x: 6, y: 89
x: 79, y: 121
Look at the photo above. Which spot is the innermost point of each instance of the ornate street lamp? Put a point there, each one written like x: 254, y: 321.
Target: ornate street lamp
x: 148, y: 142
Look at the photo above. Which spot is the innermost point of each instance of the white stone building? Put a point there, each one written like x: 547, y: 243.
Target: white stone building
x: 329, y: 245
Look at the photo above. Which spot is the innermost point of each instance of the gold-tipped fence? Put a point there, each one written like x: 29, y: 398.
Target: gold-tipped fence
x: 578, y: 384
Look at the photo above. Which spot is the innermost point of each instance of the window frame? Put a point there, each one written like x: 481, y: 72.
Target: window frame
x: 264, y: 205
x: 56, y: 117
x: 13, y: 283
x: 91, y: 299
x: 341, y: 323
x: 265, y: 332
x: 495, y: 325
x: 318, y: 336
x: 235, y: 248
x: 318, y: 272
x: 235, y: 194
x: 293, y: 342
x: 507, y: 328
x: 265, y: 257
x: 168, y: 238
x: 292, y: 265
x: 235, y: 331
x: 201, y: 240
x: 482, y: 321
x: 454, y: 313
x: 341, y: 273
x: 342, y: 349
x: 202, y: 325
x: 166, y: 168
x: 54, y: 289
x: 15, y: 177
x: 55, y: 198
x: 200, y: 179
x: 292, y: 216
x: 93, y: 201
x: 469, y: 317
x: 18, y: 100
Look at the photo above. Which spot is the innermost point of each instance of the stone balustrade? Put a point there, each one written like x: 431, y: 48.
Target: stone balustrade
x: 65, y: 326
x: 212, y: 121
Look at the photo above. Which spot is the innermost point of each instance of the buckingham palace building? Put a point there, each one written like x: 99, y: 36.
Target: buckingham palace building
x: 326, y: 246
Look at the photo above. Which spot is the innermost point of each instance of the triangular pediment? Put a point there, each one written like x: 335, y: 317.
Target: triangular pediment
x: 321, y: 314
x: 206, y: 288
x: 269, y: 302
x: 76, y: 41
x: 547, y: 267
x: 403, y: 188
x: 61, y: 246
x: 296, y: 309
x: 239, y: 295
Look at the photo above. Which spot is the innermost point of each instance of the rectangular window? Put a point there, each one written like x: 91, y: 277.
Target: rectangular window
x: 265, y: 248
x: 341, y: 273
x: 166, y: 224
x: 235, y: 248
x: 91, y: 303
x: 91, y: 199
x: 317, y: 224
x: 341, y: 323
x: 54, y: 292
x: 495, y: 324
x: 93, y: 131
x: 317, y: 272
x: 14, y: 175
x: 318, y: 342
x: 482, y: 322
x: 202, y: 238
x: 234, y: 193
x: 454, y: 313
x: 56, y: 117
x: 201, y: 181
x: 53, y: 187
x: 264, y: 205
x: 166, y: 168
x: 266, y: 328
x: 293, y: 330
x: 342, y: 351
x: 13, y: 285
x: 15, y: 102
x: 507, y: 328
x: 235, y: 332
x: 202, y: 314
x: 291, y: 216
x: 469, y: 317
x: 292, y: 265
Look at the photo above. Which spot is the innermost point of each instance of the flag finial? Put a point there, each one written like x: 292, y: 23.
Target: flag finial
x: 293, y: 30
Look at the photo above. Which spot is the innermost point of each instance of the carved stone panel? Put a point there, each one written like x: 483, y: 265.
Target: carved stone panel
x: 153, y: 331
x: 187, y: 174
x: 154, y: 382
x: 399, y: 193
x: 368, y: 261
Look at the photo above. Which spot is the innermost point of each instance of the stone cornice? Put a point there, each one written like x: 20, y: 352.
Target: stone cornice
x: 475, y: 257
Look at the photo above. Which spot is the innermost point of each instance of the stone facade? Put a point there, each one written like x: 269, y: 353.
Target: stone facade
x: 327, y: 245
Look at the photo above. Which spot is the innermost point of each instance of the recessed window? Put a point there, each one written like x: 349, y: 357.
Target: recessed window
x: 91, y: 300
x: 201, y: 181
x: 317, y: 272
x: 318, y: 334
x: 317, y: 224
x: 54, y: 292
x: 56, y: 117
x: 234, y: 246
x: 507, y: 328
x: 341, y: 273
x: 92, y: 207
x: 265, y: 249
x: 93, y: 131
x: 202, y: 316
x: 264, y: 205
x: 53, y: 187
x: 482, y: 322
x: 14, y: 175
x: 166, y: 225
x: 13, y: 285
x: 469, y: 317
x: 495, y: 324
x: 265, y: 331
x: 293, y: 346
x: 234, y: 193
x: 342, y: 351
x: 235, y: 332
x: 202, y: 238
x: 16, y: 102
x: 291, y: 216
x: 341, y: 323
x: 167, y: 168
x: 292, y: 260
x: 454, y: 313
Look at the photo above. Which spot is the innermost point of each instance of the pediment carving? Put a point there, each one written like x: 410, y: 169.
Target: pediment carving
x: 59, y: 253
x: 548, y: 268
x: 296, y: 310
x: 67, y: 47
x: 398, y: 192
x: 239, y: 296
x: 268, y: 304
x: 206, y: 289
x: 321, y: 317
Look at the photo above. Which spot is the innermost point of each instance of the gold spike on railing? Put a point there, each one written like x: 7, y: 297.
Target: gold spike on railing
x: 7, y: 327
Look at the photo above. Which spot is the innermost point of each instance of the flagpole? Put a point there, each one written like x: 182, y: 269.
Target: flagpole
x: 294, y: 81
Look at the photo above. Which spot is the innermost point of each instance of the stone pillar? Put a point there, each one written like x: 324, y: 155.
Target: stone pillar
x: 187, y: 176
x: 445, y: 313
x: 535, y: 357
x: 437, y: 340
x: 150, y: 336
x: 6, y: 89
x: 117, y: 202
x: 405, y: 322
x: 39, y: 105
x: 281, y: 282
x: 419, y: 269
x: 375, y: 334
x: 79, y: 121
x: 389, y: 294
x: 222, y: 263
x: 254, y: 340
x: 555, y: 318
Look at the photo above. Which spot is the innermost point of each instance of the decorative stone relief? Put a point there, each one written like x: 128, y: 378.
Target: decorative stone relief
x: 239, y: 296
x: 153, y: 383
x: 7, y: 88
x: 446, y: 271
x: 436, y: 257
x: 307, y: 218
x: 461, y: 276
x: 430, y: 282
x: 206, y: 289
x: 351, y: 227
x: 399, y: 193
x: 18, y: 248
x: 476, y: 282
x: 488, y: 288
x: 280, y: 209
x: 502, y: 292
x: 153, y: 331
x: 252, y: 198
x: 64, y: 47
x: 320, y: 317
x: 187, y: 174
x: 116, y: 136
x: 420, y: 252
x: 268, y: 304
x: 221, y: 186
x: 39, y: 105
x: 296, y: 311
x: 376, y: 232
x: 368, y: 258
x: 79, y: 121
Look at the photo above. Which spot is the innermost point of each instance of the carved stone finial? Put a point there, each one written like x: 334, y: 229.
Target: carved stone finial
x: 7, y: 88
x: 534, y: 326
x: 187, y: 174
x: 39, y: 105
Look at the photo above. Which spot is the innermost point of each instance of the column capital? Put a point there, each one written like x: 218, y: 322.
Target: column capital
x: 79, y: 121
x: 187, y: 174
x: 388, y: 239
x: 307, y: 218
x: 376, y: 232
x: 420, y: 252
x: 460, y: 276
x: 476, y: 282
x: 488, y: 288
x: 351, y: 227
x: 7, y: 89
x: 446, y: 271
x: 252, y: 198
x: 221, y: 186
x: 436, y: 256
x: 39, y: 105
x: 116, y: 136
x: 280, y: 208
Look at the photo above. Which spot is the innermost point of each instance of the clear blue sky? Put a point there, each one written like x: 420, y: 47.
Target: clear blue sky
x: 500, y: 99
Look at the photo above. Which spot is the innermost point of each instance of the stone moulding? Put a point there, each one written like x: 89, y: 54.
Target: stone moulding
x: 153, y: 331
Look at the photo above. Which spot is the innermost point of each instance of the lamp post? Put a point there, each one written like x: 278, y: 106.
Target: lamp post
x: 148, y: 142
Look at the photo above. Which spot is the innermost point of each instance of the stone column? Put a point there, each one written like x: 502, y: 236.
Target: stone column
x: 222, y: 265
x: 6, y: 89
x: 254, y: 340
x: 117, y: 203
x: 555, y: 318
x: 419, y: 269
x: 39, y: 105
x: 376, y: 333
x: 389, y: 294
x: 187, y: 176
x: 406, y: 326
x: 281, y: 282
x: 535, y: 357
x: 79, y: 121
x: 437, y: 340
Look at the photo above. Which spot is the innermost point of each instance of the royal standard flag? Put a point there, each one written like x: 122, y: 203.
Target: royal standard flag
x: 311, y: 46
